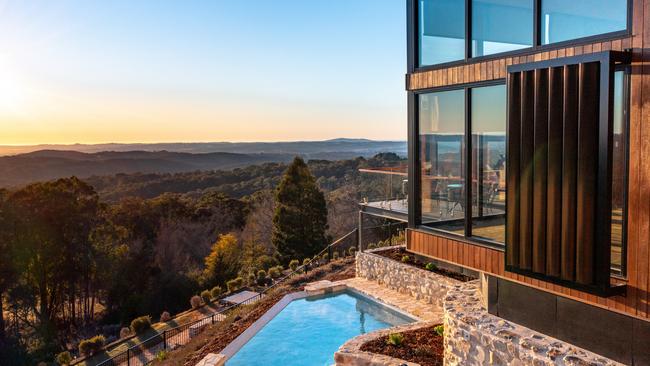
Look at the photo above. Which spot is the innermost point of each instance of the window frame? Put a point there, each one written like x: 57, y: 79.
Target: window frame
x: 412, y: 10
x: 415, y: 209
x: 414, y: 181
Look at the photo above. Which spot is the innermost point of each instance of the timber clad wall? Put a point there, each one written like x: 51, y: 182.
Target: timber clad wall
x: 635, y: 301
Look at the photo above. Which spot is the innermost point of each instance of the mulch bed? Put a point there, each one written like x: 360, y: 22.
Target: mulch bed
x: 397, y: 254
x: 423, y: 346
x: 214, y: 339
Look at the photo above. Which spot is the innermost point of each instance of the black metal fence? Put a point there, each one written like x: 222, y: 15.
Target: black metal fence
x: 378, y: 231
x: 147, y: 350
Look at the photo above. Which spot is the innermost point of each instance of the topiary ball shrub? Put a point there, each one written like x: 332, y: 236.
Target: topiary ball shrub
x: 431, y: 266
x: 372, y: 246
x: 165, y: 316
x: 91, y: 346
x: 195, y: 301
x: 206, y: 297
x: 125, y: 332
x: 64, y: 358
x: 232, y: 285
x: 439, y: 329
x: 353, y: 251
x: 239, y: 282
x: 141, y: 324
x: 395, y: 339
x: 406, y: 259
x: 294, y: 265
x: 251, y: 279
x: 274, y: 272
x: 335, y: 255
x: 215, y: 292
x: 261, y: 277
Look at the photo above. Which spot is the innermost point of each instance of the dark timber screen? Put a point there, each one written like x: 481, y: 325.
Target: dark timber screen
x: 559, y: 169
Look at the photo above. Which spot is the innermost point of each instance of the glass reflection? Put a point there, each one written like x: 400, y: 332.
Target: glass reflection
x: 442, y: 131
x: 441, y: 27
x: 489, y: 162
x: 619, y: 174
x: 563, y: 20
x: 501, y: 25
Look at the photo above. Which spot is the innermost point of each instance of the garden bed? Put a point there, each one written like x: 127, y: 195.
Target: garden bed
x: 423, y: 346
x: 398, y: 253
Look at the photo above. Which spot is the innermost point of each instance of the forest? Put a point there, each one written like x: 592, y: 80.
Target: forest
x: 86, y: 257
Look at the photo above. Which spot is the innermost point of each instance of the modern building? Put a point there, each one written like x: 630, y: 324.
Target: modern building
x: 529, y: 160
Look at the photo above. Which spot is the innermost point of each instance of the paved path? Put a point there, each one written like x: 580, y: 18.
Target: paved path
x: 404, y: 302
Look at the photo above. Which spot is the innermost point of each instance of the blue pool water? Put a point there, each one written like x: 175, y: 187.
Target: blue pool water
x: 308, y: 331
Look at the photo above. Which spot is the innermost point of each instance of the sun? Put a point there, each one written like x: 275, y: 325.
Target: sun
x: 12, y: 90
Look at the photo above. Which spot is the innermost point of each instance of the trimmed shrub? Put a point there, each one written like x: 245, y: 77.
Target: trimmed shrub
x: 165, y: 316
x: 395, y: 339
x: 141, y: 324
x: 125, y: 332
x: 91, y: 346
x: 261, y: 277
x: 161, y: 356
x: 64, y: 358
x: 406, y: 259
x: 195, y: 301
x: 251, y: 279
x: 232, y: 285
x: 206, y: 297
x: 274, y: 272
x: 372, y: 246
x: 352, y: 251
x: 439, y: 329
x: 431, y: 266
x: 294, y: 264
x: 306, y: 262
x: 335, y: 255
x: 215, y: 292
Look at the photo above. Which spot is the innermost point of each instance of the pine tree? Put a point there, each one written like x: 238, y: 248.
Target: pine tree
x: 300, y: 220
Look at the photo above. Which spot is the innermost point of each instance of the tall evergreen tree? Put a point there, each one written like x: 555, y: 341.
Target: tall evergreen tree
x: 300, y: 220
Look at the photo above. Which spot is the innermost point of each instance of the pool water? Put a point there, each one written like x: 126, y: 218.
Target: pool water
x: 309, y: 331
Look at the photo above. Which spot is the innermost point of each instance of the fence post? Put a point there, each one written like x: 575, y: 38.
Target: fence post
x: 165, y: 340
x: 128, y: 357
x: 212, y: 319
x: 329, y: 253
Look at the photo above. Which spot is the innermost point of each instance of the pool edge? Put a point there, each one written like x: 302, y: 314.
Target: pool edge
x: 233, y: 347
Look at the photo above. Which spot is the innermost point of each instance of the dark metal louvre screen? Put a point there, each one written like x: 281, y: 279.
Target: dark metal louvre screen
x: 559, y: 169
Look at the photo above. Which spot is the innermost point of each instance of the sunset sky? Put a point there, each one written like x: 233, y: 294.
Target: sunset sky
x: 92, y: 71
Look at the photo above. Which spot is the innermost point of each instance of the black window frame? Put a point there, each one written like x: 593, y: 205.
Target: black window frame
x: 414, y: 168
x: 412, y: 10
x: 414, y: 181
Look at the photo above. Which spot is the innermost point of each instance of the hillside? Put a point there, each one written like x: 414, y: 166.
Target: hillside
x: 341, y: 148
x: 50, y: 164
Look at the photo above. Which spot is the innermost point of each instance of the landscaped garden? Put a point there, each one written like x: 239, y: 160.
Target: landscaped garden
x: 424, y: 346
x: 401, y: 255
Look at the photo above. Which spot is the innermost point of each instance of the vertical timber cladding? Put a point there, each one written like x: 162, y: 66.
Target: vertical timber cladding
x: 559, y: 169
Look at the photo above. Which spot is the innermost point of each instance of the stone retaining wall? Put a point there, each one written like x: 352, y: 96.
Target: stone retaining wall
x: 420, y: 284
x: 350, y: 354
x: 475, y: 337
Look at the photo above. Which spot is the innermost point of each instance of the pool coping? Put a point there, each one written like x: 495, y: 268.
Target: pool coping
x: 325, y: 289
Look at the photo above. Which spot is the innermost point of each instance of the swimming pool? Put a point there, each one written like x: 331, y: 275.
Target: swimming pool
x: 309, y: 331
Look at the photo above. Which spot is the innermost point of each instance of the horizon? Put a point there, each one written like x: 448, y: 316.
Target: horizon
x: 95, y: 72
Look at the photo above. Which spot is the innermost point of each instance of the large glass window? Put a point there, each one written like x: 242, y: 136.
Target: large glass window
x: 501, y: 25
x: 488, y: 121
x: 619, y: 173
x: 442, y: 159
x: 562, y: 20
x: 441, y: 25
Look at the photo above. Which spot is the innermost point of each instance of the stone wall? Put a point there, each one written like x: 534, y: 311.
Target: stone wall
x: 420, y: 284
x: 475, y: 337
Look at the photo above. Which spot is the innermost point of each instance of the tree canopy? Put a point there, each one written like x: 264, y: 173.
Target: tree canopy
x: 300, y: 220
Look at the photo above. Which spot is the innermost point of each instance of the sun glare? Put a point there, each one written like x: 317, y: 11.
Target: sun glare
x: 12, y: 90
